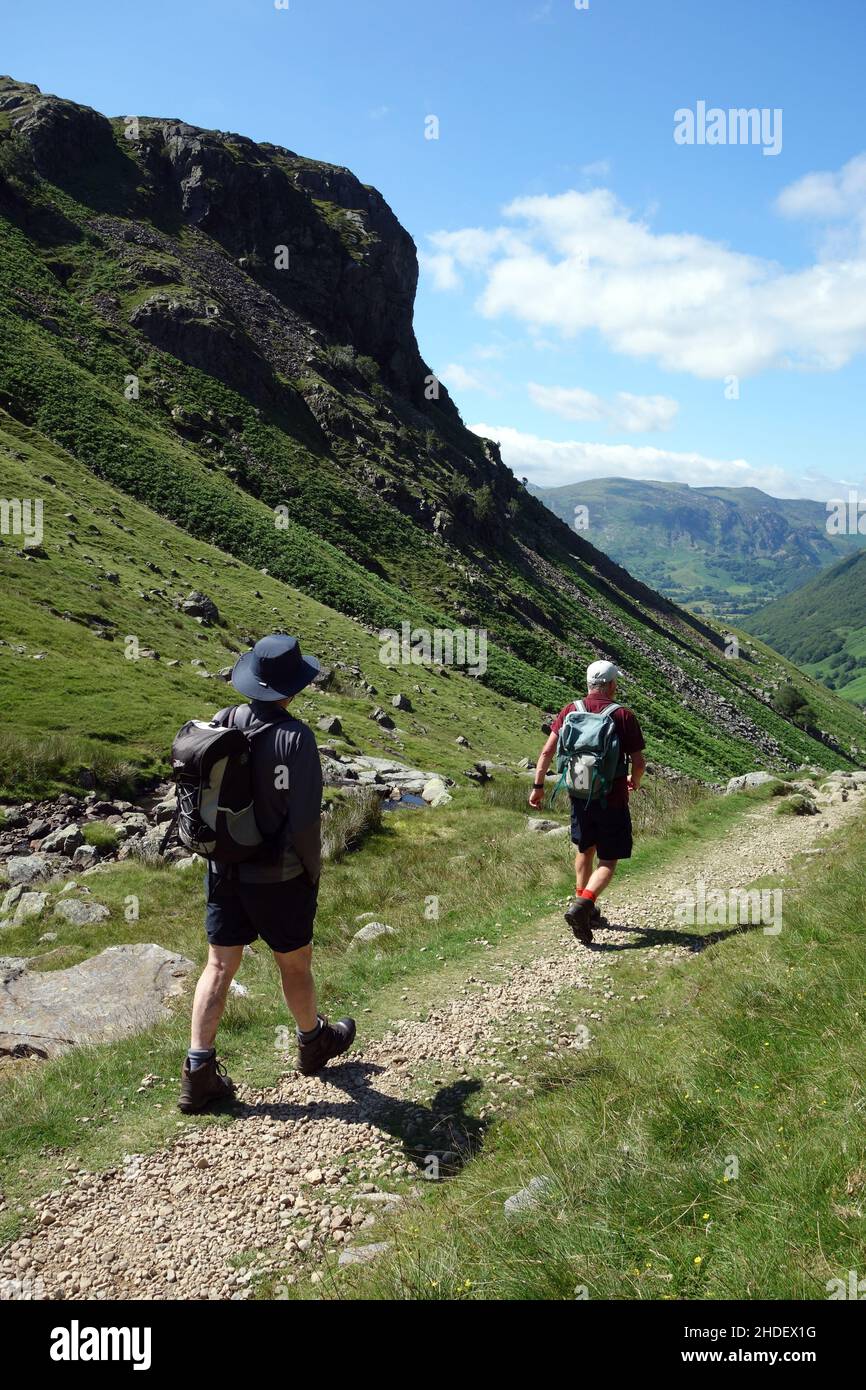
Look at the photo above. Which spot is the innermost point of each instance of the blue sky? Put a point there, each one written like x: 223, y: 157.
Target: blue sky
x: 589, y: 286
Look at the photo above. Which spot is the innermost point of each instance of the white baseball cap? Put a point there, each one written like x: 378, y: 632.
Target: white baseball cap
x: 602, y: 671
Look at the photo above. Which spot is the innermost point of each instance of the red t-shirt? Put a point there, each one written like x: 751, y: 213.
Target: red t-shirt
x: 630, y: 738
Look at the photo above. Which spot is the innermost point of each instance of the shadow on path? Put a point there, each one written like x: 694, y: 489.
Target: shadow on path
x: 439, y: 1137
x: 659, y: 936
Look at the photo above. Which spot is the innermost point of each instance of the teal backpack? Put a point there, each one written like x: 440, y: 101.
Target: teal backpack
x: 588, y: 755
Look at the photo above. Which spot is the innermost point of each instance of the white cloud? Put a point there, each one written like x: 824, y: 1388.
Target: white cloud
x: 633, y: 414
x: 599, y: 169
x: 552, y: 463
x: 459, y: 378
x: 824, y: 196
x: 577, y: 262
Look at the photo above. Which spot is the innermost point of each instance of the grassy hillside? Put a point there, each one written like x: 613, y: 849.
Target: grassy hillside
x: 190, y: 417
x: 822, y: 627
x: 715, y: 550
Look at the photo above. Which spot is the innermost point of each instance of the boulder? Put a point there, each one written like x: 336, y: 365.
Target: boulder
x: 10, y: 899
x: 28, y: 868
x: 198, y: 605
x: 121, y: 991
x: 330, y: 724
x: 84, y: 856
x: 62, y: 841
x: 81, y: 913
x: 528, y: 1197
x: 29, y: 905
x: 401, y: 702
x: 433, y: 789
x: 363, y: 1254
x: 374, y: 931
x: 749, y: 779
x: 542, y: 827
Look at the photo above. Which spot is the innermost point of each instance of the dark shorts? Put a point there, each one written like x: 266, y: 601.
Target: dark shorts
x: 282, y: 914
x: 607, y: 830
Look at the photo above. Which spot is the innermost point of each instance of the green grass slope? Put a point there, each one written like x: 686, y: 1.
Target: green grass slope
x: 822, y: 627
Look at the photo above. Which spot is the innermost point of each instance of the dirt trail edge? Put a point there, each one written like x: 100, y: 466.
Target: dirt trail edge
x: 306, y: 1167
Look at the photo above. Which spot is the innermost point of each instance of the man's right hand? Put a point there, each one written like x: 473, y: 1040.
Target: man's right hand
x: 536, y: 798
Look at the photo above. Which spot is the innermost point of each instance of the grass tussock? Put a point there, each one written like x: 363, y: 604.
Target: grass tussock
x: 348, y: 822
x: 35, y: 766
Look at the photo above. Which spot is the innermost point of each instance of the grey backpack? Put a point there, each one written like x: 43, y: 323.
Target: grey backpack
x: 588, y: 755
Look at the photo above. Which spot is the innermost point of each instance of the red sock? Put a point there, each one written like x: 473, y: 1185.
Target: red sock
x: 585, y: 893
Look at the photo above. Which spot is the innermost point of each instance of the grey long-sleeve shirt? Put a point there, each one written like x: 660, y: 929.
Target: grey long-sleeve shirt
x: 287, y: 790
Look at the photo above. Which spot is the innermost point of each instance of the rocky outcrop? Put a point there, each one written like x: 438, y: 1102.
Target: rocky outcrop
x: 121, y: 991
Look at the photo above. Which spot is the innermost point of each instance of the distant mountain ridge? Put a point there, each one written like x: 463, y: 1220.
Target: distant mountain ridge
x: 726, y: 551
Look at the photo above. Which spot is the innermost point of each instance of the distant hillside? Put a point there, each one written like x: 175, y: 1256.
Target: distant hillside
x: 209, y: 376
x: 822, y: 627
x: 717, y: 550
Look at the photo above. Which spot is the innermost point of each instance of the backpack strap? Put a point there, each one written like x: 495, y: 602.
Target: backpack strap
x: 624, y: 757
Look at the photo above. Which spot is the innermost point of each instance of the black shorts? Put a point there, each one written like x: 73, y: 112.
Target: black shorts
x: 282, y: 914
x: 607, y: 830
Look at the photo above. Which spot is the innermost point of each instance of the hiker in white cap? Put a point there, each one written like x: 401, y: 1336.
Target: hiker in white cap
x: 596, y: 741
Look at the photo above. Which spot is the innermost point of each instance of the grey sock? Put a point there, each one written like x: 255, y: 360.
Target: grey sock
x: 313, y: 1033
x: 198, y: 1056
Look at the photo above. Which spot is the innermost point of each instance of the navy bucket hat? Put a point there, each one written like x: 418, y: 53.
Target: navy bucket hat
x: 275, y: 669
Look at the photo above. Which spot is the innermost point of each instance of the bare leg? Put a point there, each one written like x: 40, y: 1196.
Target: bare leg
x: 296, y: 973
x: 583, y: 868
x: 210, y: 993
x: 602, y: 876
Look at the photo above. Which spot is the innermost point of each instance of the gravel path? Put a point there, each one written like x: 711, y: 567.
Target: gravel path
x: 305, y: 1168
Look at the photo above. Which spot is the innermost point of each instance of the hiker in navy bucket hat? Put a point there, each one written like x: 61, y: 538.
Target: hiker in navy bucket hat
x: 258, y: 823
x: 275, y: 669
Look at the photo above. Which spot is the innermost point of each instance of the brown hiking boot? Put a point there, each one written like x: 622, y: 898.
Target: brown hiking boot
x: 207, y: 1083
x: 578, y: 915
x: 332, y: 1040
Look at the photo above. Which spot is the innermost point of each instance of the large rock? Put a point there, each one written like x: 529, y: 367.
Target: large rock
x: 10, y: 899
x: 435, y: 793
x: 749, y: 779
x: 81, y: 912
x: 28, y: 868
x: 528, y: 1197
x: 362, y: 1254
x: 198, y: 605
x: 62, y: 841
x: 29, y: 905
x: 121, y: 991
x: 374, y: 931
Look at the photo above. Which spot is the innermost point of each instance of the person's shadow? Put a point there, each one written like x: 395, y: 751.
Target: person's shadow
x: 661, y: 936
x: 439, y: 1138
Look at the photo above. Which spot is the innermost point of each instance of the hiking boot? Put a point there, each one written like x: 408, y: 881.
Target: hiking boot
x: 578, y: 915
x: 331, y: 1040
x: 207, y: 1083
